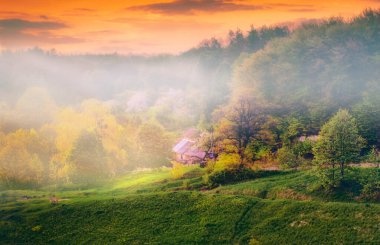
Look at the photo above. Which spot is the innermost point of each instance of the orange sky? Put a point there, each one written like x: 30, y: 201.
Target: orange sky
x: 149, y: 26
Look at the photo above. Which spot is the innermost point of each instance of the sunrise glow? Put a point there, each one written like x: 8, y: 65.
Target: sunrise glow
x: 145, y: 27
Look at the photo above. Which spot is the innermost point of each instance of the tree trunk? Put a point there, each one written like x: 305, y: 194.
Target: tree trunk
x: 342, y: 169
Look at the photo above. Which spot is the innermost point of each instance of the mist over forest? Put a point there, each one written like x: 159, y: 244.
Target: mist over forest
x: 106, y: 114
x: 267, y: 135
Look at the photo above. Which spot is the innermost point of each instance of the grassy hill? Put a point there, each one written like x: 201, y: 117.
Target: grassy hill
x: 152, y: 208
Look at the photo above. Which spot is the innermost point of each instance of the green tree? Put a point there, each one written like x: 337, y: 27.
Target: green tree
x: 287, y: 158
x: 88, y: 159
x: 339, y: 143
x: 373, y: 156
x: 154, y: 145
x: 367, y: 114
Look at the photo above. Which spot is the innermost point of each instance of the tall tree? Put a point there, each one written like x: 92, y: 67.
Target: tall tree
x: 339, y: 143
x: 245, y: 123
x: 88, y: 158
x: 154, y: 145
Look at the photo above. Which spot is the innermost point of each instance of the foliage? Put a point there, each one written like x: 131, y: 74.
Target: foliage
x: 304, y: 149
x: 227, y: 161
x: 371, y: 185
x: 292, y: 129
x: 21, y: 155
x: 88, y: 159
x: 279, y: 79
x: 339, y: 143
x: 367, y: 115
x: 373, y: 156
x: 287, y: 158
x: 177, y: 170
x: 333, y: 61
x: 228, y: 176
x: 154, y: 145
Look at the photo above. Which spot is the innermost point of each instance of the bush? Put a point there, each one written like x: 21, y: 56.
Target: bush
x: 227, y: 161
x: 371, y: 185
x: 186, y: 184
x: 177, y: 170
x: 228, y: 176
x: 304, y: 149
x: 287, y: 158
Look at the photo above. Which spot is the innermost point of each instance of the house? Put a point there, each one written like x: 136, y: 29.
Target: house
x: 187, y: 152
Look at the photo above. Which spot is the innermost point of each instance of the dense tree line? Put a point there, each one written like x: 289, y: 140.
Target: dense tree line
x: 297, y: 84
x: 318, y: 69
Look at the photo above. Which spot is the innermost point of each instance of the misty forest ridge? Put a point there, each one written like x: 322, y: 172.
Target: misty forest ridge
x: 271, y: 136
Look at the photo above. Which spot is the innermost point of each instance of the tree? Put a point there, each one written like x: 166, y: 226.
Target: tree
x: 88, y: 158
x: 21, y: 158
x: 154, y: 145
x: 245, y: 122
x: 367, y: 114
x: 287, y: 158
x: 339, y: 143
x: 374, y: 156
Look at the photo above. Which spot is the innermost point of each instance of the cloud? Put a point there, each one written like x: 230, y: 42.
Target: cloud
x: 287, y: 7
x: 165, y: 24
x: 84, y: 9
x: 20, y: 32
x: 12, y: 13
x: 191, y: 6
x: 79, y: 12
x: 16, y: 25
x: 302, y: 9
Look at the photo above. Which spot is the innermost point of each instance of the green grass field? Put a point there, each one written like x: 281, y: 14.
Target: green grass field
x: 153, y: 208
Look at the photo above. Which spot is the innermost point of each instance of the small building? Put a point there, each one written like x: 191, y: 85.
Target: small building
x: 187, y: 152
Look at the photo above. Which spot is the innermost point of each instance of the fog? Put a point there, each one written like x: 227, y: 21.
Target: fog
x: 76, y: 118
x: 34, y: 82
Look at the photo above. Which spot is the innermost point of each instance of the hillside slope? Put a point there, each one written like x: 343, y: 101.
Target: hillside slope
x: 148, y: 208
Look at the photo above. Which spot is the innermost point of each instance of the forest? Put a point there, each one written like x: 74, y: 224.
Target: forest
x: 287, y: 116
x: 68, y: 119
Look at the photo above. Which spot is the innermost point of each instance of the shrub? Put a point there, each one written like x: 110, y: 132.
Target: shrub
x: 228, y: 176
x: 373, y: 156
x: 287, y: 158
x: 371, y: 185
x: 186, y: 184
x: 227, y: 161
x: 304, y: 149
x: 210, y: 165
x: 177, y: 170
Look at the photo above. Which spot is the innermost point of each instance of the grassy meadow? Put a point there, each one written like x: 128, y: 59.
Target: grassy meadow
x: 151, y: 207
